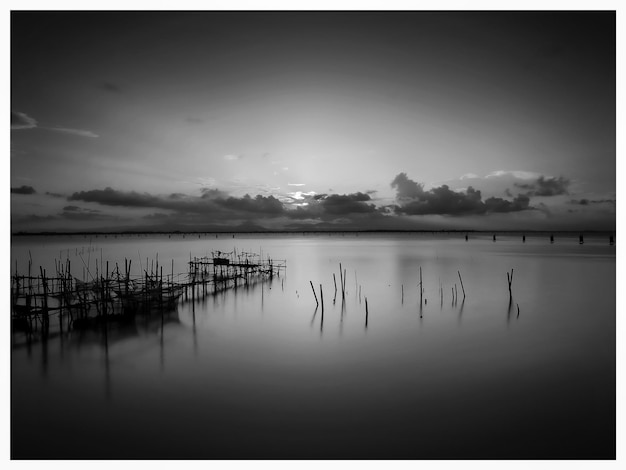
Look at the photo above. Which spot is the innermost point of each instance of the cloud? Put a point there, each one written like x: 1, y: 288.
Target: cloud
x: 296, y: 184
x: 546, y: 186
x: 57, y: 195
x: 496, y: 204
x: 79, y: 213
x: 232, y: 158
x: 341, y: 204
x: 22, y: 121
x: 110, y: 87
x: 79, y: 132
x: 413, y: 200
x: 212, y: 193
x: 333, y: 208
x: 518, y: 174
x: 194, y: 120
x: 157, y: 216
x: 495, y: 183
x: 407, y: 188
x: 260, y: 204
x: 301, y: 196
x: 112, y: 197
x: 23, y: 190
x: 586, y: 202
x: 211, y: 202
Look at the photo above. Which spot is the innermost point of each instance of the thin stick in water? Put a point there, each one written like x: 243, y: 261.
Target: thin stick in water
x: 421, y: 289
x: 342, y: 280
x: 314, y: 294
x: 461, y: 284
x: 510, y: 281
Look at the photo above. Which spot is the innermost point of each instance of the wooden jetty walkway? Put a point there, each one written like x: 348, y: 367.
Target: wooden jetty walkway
x: 113, y: 292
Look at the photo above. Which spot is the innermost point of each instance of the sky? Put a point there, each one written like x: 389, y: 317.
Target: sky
x: 228, y: 121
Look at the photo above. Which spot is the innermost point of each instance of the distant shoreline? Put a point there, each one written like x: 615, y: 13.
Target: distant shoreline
x: 317, y: 232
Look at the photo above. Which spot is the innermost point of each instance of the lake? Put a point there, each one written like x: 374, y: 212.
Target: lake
x: 261, y: 373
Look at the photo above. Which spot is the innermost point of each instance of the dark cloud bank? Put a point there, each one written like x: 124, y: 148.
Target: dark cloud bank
x: 546, y: 186
x: 23, y: 190
x: 413, y: 200
x: 413, y: 208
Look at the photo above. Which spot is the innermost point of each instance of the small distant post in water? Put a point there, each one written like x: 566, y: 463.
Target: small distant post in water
x: 510, y: 281
x: 523, y: 238
x: 466, y: 237
x: 611, y: 240
x: 551, y: 238
x: 322, y: 299
x: 581, y: 240
x: 494, y: 237
x: 517, y: 309
x: 366, y: 312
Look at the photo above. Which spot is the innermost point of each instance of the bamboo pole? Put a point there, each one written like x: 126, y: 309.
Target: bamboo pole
x: 461, y: 284
x: 314, y: 294
x: 342, y: 282
x: 45, y: 296
x: 510, y: 280
x: 421, y: 290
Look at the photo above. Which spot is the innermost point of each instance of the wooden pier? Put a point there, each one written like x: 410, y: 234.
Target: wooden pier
x: 112, y: 293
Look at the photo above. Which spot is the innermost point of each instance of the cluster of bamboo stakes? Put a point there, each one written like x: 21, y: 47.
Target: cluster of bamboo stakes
x: 342, y: 281
x: 343, y: 277
x: 422, y: 300
x: 111, y: 292
x: 509, y: 279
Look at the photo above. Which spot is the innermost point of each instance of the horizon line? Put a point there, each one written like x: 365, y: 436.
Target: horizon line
x: 212, y: 232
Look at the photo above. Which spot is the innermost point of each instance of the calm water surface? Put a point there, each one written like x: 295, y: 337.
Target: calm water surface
x: 261, y: 373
